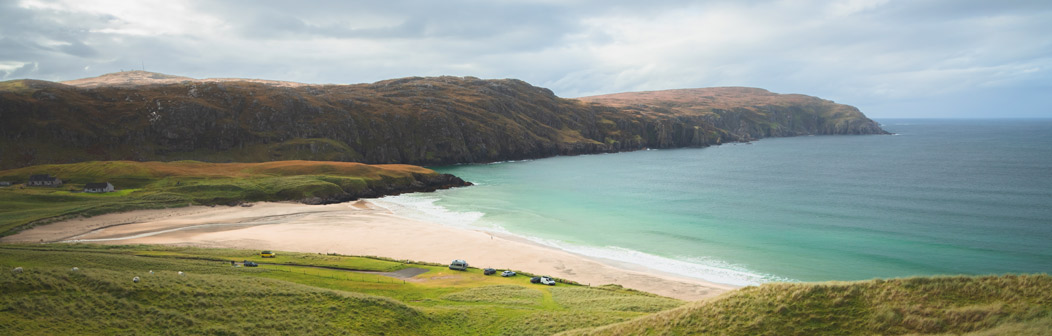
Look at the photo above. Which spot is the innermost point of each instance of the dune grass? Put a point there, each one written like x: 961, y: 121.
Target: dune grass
x: 102, y: 300
x: 153, y: 185
x: 302, y: 293
x: 610, y: 298
x: 500, y: 294
x: 985, y: 305
x: 292, y: 296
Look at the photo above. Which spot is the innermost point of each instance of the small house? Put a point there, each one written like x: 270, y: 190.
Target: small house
x: 98, y: 187
x: 5, y: 184
x: 44, y: 180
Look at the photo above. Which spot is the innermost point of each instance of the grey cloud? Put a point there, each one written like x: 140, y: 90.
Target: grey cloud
x: 422, y: 19
x: 78, y: 48
x: 882, y: 58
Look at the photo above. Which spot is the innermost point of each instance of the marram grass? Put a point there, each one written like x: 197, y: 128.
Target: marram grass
x: 983, y: 305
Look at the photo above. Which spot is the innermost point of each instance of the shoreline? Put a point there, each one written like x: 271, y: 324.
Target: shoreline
x: 359, y: 228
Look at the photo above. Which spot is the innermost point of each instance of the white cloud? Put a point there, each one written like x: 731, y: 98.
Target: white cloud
x: 849, y: 7
x: 10, y: 66
x: 140, y: 18
x: 852, y: 51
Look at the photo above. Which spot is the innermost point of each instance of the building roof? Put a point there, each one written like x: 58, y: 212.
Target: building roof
x: 41, y: 177
x: 101, y: 185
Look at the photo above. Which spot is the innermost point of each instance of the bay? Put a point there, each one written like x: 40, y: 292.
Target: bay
x: 938, y: 197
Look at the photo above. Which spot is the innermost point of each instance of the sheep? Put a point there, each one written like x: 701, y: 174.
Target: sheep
x: 181, y: 273
x: 17, y: 270
x: 76, y: 269
x: 135, y: 279
x: 151, y: 271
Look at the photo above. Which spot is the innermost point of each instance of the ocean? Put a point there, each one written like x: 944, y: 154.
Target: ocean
x: 938, y: 197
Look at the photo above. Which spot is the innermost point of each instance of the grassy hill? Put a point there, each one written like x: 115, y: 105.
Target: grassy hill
x: 436, y: 120
x: 145, y: 185
x: 289, y: 297
x: 298, y: 293
x: 985, y: 305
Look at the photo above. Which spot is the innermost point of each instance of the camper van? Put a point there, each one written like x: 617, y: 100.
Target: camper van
x: 458, y: 265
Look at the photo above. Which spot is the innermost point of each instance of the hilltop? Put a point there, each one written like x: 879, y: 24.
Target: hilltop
x: 138, y: 78
x: 144, y: 116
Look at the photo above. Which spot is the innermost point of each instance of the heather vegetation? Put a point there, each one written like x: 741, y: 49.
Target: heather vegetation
x: 437, y: 120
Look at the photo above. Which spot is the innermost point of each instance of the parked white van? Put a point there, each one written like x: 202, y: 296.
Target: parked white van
x: 458, y: 265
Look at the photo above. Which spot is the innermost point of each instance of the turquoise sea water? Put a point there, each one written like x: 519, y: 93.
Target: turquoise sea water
x: 939, y: 197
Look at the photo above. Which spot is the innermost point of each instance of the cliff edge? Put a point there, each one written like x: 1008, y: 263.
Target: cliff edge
x: 142, y: 116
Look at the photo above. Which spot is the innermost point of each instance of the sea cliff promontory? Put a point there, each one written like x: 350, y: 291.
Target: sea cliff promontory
x: 143, y: 116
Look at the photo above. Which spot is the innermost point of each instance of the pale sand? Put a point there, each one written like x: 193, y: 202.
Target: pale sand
x: 358, y: 228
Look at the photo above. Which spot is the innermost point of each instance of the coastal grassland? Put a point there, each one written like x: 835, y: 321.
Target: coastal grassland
x: 295, y: 293
x: 983, y: 305
x: 152, y: 185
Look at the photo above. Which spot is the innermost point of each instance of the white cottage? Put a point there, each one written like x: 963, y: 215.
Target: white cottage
x: 98, y: 187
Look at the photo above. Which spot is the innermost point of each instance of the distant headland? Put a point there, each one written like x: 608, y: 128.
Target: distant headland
x: 145, y: 116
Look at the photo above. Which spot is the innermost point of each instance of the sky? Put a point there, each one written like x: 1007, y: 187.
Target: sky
x: 889, y: 58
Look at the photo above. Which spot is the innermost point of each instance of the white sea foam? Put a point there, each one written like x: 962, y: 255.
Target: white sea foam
x: 510, y: 161
x: 423, y: 207
x: 707, y: 269
x: 415, y: 206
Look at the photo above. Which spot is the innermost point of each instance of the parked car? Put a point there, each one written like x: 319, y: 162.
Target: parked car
x: 250, y: 263
x: 489, y: 271
x: 458, y: 265
x: 507, y: 274
x: 546, y: 280
x: 267, y: 254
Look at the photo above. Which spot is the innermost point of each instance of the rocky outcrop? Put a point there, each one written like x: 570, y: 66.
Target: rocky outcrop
x: 423, y: 121
x: 420, y: 183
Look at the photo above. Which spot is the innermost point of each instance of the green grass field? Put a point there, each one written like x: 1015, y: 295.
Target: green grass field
x: 152, y: 185
x: 302, y: 293
x: 215, y: 298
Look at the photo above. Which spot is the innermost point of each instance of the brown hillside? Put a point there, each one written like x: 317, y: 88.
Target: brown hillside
x: 144, y: 116
x: 756, y: 113
x: 700, y: 101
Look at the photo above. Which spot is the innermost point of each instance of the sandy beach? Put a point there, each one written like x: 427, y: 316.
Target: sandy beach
x: 358, y: 228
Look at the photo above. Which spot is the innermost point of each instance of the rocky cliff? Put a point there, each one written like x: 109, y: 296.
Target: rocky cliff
x: 425, y: 121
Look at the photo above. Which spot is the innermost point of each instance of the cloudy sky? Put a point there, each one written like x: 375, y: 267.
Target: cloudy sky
x: 890, y: 58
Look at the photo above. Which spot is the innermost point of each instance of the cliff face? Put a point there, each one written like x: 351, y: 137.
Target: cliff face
x: 440, y: 120
x: 747, y: 113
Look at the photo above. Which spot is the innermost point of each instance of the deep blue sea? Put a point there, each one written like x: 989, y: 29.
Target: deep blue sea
x: 940, y: 196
